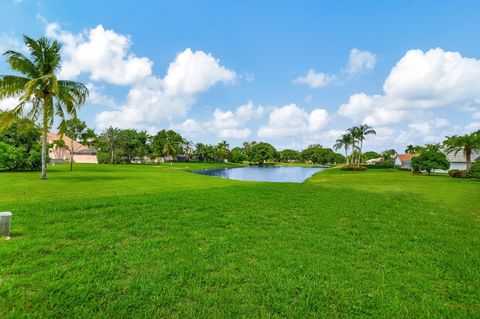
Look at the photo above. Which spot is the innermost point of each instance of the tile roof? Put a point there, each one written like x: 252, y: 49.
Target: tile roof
x: 406, y: 157
x: 460, y: 156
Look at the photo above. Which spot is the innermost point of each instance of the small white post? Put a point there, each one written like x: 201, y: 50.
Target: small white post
x: 5, y: 223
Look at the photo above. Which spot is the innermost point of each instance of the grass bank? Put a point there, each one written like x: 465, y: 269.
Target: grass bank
x: 148, y: 241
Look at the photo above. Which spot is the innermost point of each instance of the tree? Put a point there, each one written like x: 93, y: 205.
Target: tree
x: 174, y: 141
x: 410, y: 149
x: 133, y: 145
x: 21, y: 145
x: 112, y: 137
x: 429, y: 161
x: 39, y: 89
x: 320, y: 155
x: 344, y: 141
x: 466, y: 144
x: 389, y: 155
x: 371, y: 155
x: 261, y: 153
x: 223, y: 150
x: 288, y: 155
x: 74, y: 129
x: 360, y: 133
x: 237, y: 155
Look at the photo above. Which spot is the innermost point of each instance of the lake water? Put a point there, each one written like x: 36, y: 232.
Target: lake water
x: 293, y: 174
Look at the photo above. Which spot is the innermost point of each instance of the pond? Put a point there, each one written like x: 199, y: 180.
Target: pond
x: 293, y: 174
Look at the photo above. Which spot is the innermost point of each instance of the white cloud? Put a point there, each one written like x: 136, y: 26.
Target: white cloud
x: 360, y: 61
x: 195, y: 72
x: 104, y: 54
x: 474, y: 126
x: 314, y: 79
x: 96, y: 96
x: 476, y: 115
x: 9, y: 42
x: 153, y: 99
x: 190, y: 127
x: 419, y: 81
x: 290, y: 120
x: 231, y: 124
x: 8, y: 103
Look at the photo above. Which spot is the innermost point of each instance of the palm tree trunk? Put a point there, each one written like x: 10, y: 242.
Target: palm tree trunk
x: 44, y: 140
x: 71, y: 156
x: 360, y: 154
x: 346, y: 153
x: 44, y: 155
x: 113, y: 156
x: 468, y: 157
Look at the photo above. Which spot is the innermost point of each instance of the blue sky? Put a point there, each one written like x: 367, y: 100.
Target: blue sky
x: 292, y: 73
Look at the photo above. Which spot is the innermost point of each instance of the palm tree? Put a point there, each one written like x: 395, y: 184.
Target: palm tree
x: 466, y: 143
x: 38, y: 88
x: 410, y: 149
x: 169, y: 149
x: 344, y: 141
x: 361, y: 132
x: 112, y: 136
x: 353, y: 131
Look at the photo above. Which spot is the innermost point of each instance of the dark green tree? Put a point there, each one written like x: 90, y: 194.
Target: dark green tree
x: 429, y: 161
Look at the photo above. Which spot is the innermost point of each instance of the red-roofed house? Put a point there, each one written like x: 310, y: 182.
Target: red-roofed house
x: 404, y: 161
x: 81, y: 153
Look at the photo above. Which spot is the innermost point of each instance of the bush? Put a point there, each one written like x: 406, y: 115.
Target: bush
x: 353, y: 168
x: 459, y: 173
x: 383, y: 164
x: 475, y: 170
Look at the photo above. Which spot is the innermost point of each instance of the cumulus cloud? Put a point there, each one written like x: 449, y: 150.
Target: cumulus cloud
x: 291, y: 120
x: 419, y: 81
x: 103, y: 54
x: 314, y: 79
x: 154, y: 99
x: 360, y: 61
x: 228, y: 124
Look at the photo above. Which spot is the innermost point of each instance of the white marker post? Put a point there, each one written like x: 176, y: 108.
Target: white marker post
x: 5, y: 223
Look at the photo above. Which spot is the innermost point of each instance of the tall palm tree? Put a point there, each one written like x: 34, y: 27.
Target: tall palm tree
x: 353, y: 131
x: 344, y: 141
x: 38, y: 88
x: 361, y: 132
x: 466, y: 144
x: 113, y: 137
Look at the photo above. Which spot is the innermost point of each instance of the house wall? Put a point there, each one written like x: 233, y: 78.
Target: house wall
x: 460, y: 166
x: 88, y: 159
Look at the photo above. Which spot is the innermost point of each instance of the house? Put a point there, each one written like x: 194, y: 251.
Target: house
x: 459, y: 161
x: 375, y: 161
x: 81, y: 153
x: 404, y: 161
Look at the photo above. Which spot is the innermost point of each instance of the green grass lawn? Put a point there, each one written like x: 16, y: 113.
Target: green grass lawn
x: 148, y: 241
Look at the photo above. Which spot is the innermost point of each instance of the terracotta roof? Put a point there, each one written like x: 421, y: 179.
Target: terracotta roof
x: 406, y: 157
x: 68, y: 141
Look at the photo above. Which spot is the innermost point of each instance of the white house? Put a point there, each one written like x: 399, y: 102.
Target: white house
x: 404, y: 161
x: 458, y: 161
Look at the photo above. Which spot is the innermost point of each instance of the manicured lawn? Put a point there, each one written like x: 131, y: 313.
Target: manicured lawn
x: 147, y: 241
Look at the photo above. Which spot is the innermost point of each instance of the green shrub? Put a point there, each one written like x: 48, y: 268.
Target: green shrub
x: 353, y: 168
x: 475, y: 170
x: 459, y: 173
x: 383, y: 164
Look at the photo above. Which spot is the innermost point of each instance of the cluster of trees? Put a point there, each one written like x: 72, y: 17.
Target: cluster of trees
x: 20, y: 147
x: 261, y: 152
x: 353, y: 140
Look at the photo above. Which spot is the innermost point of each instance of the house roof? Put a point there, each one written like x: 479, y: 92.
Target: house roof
x: 406, y: 157
x: 77, y: 147
x: 460, y: 156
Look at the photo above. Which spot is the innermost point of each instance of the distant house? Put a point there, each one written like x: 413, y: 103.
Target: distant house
x: 404, y: 161
x: 81, y: 153
x: 458, y: 161
x: 375, y: 161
